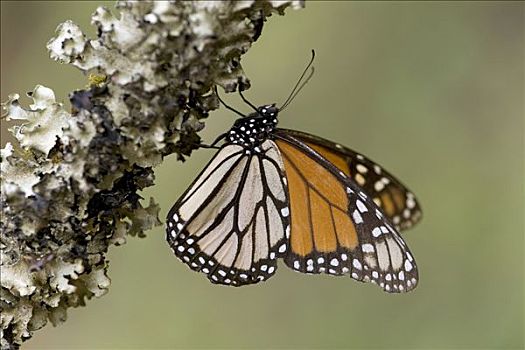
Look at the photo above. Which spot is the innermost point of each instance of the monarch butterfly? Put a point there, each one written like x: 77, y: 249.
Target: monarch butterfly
x: 271, y: 193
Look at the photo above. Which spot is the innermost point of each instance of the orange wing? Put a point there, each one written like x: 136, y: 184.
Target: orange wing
x: 335, y: 227
x: 397, y: 202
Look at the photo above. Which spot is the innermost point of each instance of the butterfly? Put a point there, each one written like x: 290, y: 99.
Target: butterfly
x: 272, y: 193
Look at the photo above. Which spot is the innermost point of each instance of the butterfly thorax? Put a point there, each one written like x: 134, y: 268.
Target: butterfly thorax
x: 252, y: 130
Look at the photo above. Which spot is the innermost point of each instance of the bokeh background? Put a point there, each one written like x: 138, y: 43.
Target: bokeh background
x: 432, y: 91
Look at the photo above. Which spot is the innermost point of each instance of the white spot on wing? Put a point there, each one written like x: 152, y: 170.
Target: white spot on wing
x: 357, y: 264
x: 358, y: 219
x: 360, y: 179
x: 401, y: 276
x: 367, y: 248
x: 360, y: 205
x: 361, y: 168
x: 379, y: 186
x: 408, y: 266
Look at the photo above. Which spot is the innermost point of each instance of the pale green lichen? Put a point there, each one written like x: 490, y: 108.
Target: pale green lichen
x: 70, y: 186
x: 43, y: 122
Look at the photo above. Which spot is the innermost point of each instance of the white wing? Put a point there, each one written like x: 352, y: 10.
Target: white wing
x: 233, y: 222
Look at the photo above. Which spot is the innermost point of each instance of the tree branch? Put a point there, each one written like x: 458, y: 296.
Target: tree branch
x: 70, y: 187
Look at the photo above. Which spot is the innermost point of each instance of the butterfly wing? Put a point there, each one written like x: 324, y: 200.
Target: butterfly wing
x: 397, y: 202
x: 231, y: 223
x: 335, y: 227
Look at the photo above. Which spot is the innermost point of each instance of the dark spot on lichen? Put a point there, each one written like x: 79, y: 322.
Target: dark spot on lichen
x: 123, y: 194
x: 9, y: 336
x: 81, y: 99
x: 243, y: 84
x: 258, y: 23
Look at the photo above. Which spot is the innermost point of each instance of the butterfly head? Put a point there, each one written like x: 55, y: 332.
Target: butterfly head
x: 255, y: 128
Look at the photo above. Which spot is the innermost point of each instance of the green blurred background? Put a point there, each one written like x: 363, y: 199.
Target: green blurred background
x: 432, y: 91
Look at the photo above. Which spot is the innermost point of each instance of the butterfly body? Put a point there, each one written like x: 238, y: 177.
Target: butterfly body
x: 273, y: 193
x: 255, y: 128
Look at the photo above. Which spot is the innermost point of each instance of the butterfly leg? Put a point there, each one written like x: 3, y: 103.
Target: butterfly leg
x: 219, y: 138
x: 214, y: 144
x: 203, y: 145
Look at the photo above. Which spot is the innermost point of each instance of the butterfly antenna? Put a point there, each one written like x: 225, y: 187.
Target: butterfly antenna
x: 225, y: 105
x: 312, y: 71
x: 248, y: 102
x: 300, y: 83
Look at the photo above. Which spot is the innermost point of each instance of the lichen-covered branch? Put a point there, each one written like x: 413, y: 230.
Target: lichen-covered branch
x: 70, y: 186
